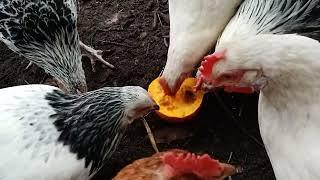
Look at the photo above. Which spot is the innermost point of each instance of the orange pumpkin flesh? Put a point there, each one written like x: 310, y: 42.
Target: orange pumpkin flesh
x: 182, y: 106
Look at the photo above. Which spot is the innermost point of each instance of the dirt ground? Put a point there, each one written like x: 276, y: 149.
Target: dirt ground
x: 131, y: 40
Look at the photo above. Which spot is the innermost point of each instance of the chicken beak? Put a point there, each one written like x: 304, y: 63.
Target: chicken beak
x: 165, y: 86
x: 230, y: 170
x: 172, y: 90
x: 167, y: 89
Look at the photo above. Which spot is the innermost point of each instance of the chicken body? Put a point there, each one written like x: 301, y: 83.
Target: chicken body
x: 155, y: 168
x: 194, y: 28
x: 288, y: 111
x: 48, y: 135
x: 286, y: 71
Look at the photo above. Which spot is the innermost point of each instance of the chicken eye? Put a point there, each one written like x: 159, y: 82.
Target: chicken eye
x: 227, y: 76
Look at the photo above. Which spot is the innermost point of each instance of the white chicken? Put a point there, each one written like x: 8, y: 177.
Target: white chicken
x: 46, y: 134
x: 286, y: 70
x: 195, y: 25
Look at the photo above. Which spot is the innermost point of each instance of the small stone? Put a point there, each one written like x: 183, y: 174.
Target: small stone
x: 143, y: 35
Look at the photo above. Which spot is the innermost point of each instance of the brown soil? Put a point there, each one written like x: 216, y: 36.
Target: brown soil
x: 125, y: 31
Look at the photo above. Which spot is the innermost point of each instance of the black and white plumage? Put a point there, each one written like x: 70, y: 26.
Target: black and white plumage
x: 45, y: 32
x: 46, y: 134
x: 274, y: 17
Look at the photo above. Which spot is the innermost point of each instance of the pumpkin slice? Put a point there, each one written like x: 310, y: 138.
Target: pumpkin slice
x: 182, y: 106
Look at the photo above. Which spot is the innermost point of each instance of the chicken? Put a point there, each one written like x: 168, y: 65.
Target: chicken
x: 45, y: 32
x: 176, y: 165
x: 272, y: 17
x: 46, y: 134
x: 286, y: 71
x: 194, y: 28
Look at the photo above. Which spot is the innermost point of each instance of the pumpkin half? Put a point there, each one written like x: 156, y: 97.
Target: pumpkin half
x: 182, y: 106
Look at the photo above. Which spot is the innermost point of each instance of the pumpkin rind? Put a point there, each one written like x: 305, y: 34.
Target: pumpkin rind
x: 184, y: 105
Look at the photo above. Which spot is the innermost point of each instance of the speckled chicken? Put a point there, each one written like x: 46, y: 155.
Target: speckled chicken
x: 177, y: 165
x: 45, y: 32
x: 46, y: 134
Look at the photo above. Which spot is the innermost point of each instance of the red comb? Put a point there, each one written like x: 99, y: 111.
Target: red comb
x: 206, y: 68
x: 208, y: 62
x: 202, y: 166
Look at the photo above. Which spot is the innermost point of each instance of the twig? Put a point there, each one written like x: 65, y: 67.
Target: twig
x: 241, y: 110
x: 165, y: 42
x: 29, y: 65
x: 151, y: 137
x: 165, y: 11
x: 147, y: 52
x: 155, y: 20
x: 111, y: 29
x: 159, y: 19
x: 230, y: 156
x: 161, y: 72
x: 164, y: 17
x: 91, y: 38
x: 186, y: 142
x: 118, y: 44
x: 239, y: 169
x: 235, y: 120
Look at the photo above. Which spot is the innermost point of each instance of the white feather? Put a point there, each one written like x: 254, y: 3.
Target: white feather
x: 266, y: 17
x: 23, y: 155
x: 291, y: 136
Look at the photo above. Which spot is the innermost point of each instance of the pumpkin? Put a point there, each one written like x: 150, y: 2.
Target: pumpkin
x: 182, y: 106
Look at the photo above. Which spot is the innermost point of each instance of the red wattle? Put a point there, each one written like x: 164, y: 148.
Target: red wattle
x: 208, y: 62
